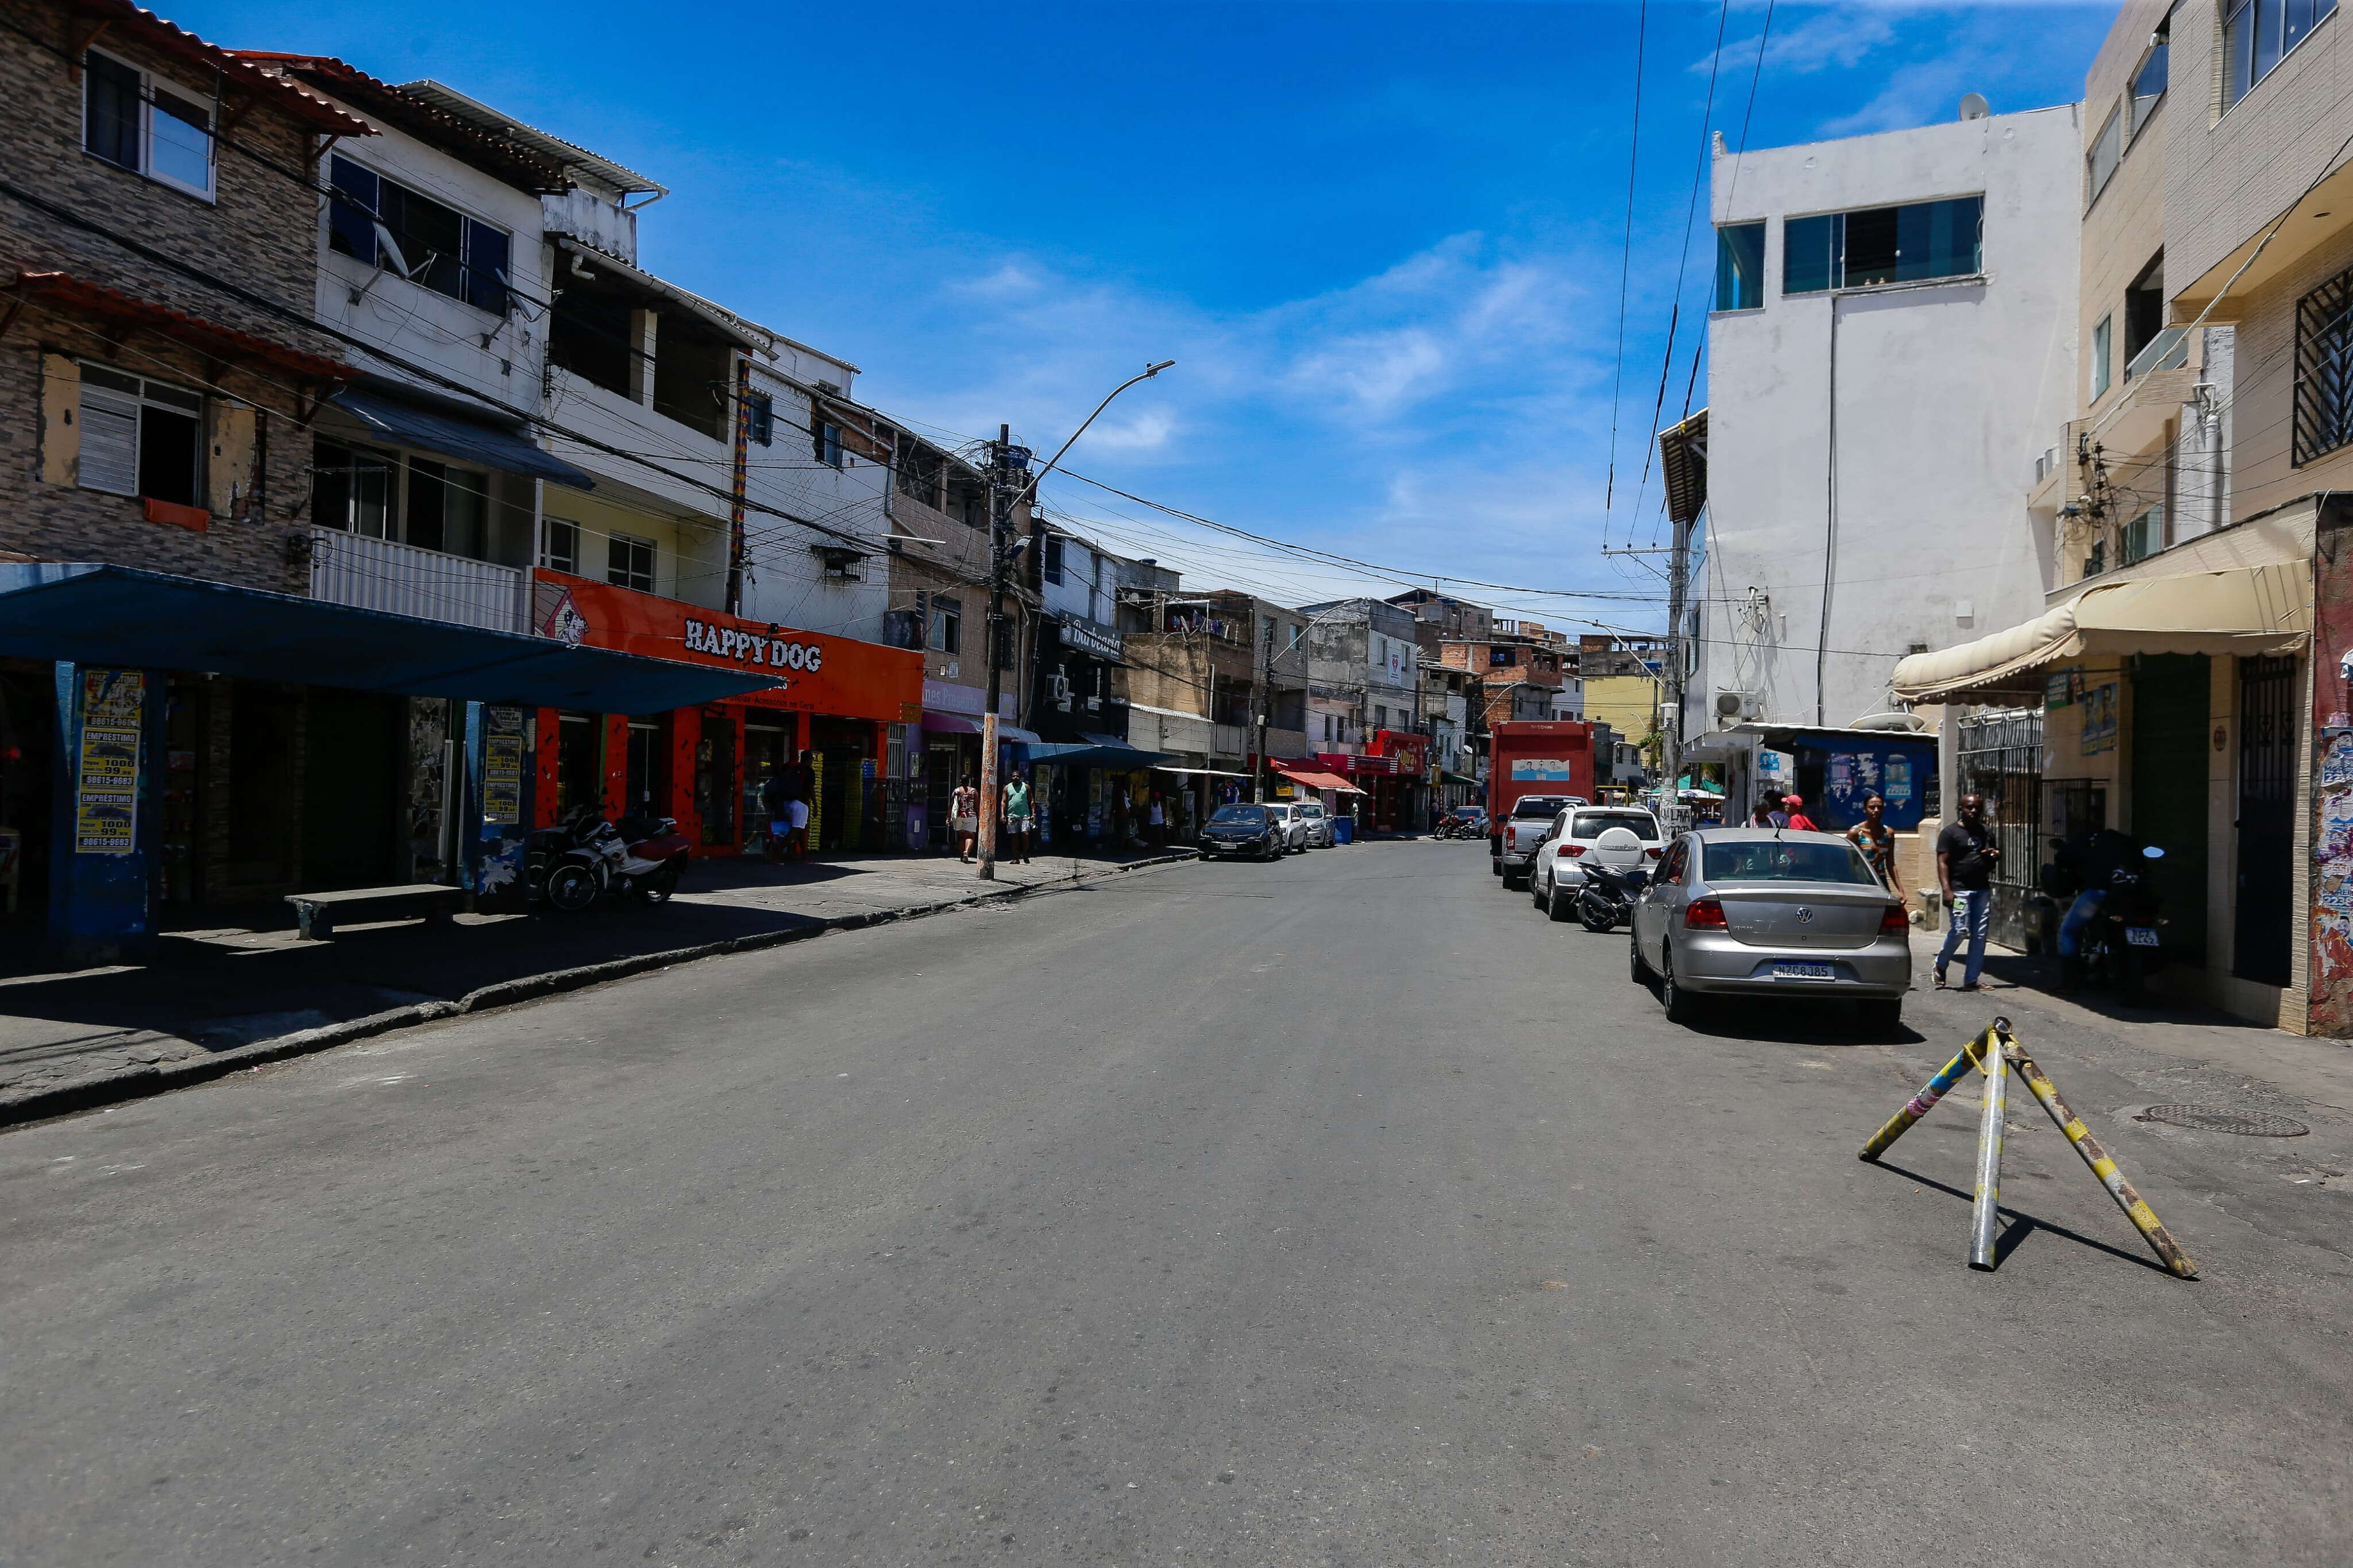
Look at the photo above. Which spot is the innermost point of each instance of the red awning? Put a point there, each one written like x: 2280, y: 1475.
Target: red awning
x: 1315, y: 780
x: 76, y: 296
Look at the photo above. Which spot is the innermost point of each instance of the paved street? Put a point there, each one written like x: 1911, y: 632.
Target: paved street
x: 1339, y: 1211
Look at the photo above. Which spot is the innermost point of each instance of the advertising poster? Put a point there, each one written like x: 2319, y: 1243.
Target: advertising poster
x: 1542, y: 770
x: 106, y: 794
x: 502, y: 740
x: 2099, y: 705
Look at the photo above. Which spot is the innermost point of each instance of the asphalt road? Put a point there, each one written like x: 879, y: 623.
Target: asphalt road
x: 1341, y: 1211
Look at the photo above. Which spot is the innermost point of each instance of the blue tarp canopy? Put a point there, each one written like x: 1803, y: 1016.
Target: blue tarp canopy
x: 100, y: 615
x: 1114, y: 755
x: 474, y: 441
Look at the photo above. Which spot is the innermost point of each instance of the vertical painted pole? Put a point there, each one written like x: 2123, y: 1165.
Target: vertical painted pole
x: 1985, y: 1222
x: 987, y: 850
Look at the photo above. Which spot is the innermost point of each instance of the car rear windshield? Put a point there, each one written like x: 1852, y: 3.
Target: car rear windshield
x: 1594, y: 824
x: 1252, y: 813
x: 1539, y: 805
x: 1782, y: 860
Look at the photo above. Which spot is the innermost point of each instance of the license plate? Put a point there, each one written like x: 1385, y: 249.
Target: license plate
x: 2141, y: 936
x: 1804, y: 972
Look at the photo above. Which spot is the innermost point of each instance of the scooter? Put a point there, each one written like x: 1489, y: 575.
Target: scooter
x: 2122, y: 939
x: 1608, y: 895
x: 584, y: 859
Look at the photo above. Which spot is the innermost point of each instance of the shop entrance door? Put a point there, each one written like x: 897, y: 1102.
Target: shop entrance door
x: 768, y: 751
x: 939, y: 779
x: 354, y: 824
x: 2267, y: 729
x: 579, y: 764
x: 2169, y: 788
x: 844, y: 796
x: 646, y: 775
x: 714, y: 779
x: 28, y: 707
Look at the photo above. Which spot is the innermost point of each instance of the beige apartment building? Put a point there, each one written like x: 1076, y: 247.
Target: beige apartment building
x: 2184, y: 684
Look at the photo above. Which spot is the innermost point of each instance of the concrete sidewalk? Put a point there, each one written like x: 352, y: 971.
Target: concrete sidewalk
x: 218, y: 1000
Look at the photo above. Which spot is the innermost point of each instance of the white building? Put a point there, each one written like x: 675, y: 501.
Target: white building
x: 1891, y: 345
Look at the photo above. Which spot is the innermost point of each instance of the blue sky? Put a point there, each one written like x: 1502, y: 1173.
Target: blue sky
x: 1382, y: 241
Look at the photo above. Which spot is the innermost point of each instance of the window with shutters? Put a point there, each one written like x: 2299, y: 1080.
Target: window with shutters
x: 140, y: 437
x: 138, y: 122
x: 384, y: 224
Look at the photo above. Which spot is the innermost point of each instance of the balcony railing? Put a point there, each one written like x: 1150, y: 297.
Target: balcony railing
x: 2168, y: 348
x: 405, y: 580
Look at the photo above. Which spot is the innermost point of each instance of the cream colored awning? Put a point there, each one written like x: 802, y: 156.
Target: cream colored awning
x: 2243, y: 611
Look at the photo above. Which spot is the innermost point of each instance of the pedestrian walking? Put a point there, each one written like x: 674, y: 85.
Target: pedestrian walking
x: 800, y: 788
x: 1017, y: 819
x: 1966, y: 854
x: 1793, y: 808
x: 1877, y: 842
x: 1158, y: 817
x: 1761, y: 813
x: 775, y: 805
x: 964, y: 817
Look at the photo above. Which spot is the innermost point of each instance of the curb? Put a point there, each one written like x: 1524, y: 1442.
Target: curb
x: 139, y: 1082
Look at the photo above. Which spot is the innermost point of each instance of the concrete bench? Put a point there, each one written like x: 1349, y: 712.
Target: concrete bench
x: 315, y: 913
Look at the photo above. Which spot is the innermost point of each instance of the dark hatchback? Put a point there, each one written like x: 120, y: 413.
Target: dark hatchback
x: 1242, y: 830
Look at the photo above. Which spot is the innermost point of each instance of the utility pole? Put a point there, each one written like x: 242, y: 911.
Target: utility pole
x: 1678, y: 594
x: 1003, y: 457
x: 1265, y: 699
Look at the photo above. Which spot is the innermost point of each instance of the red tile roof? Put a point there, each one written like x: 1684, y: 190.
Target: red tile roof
x: 83, y: 298
x: 286, y: 96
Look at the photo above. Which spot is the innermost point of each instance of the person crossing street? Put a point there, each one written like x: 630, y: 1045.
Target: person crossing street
x: 1966, y: 854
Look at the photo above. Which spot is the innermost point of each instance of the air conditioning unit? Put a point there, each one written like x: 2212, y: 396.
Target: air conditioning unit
x: 1058, y: 685
x: 1736, y: 704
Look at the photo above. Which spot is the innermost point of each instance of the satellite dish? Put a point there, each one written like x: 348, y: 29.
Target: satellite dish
x: 1974, y: 106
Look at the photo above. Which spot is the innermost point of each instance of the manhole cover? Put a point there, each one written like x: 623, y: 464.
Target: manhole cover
x: 2216, y: 1119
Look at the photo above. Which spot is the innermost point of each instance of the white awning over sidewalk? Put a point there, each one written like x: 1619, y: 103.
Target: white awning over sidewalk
x: 2243, y: 611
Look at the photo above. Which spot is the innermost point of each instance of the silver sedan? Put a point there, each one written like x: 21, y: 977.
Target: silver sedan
x: 1760, y: 911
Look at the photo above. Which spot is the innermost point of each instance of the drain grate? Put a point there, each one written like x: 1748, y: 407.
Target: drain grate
x: 2219, y: 1119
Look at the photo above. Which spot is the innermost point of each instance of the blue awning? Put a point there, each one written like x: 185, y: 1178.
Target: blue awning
x: 493, y: 446
x: 1113, y: 755
x: 102, y: 614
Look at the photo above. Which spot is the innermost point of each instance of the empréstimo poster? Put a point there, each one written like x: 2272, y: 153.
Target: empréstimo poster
x: 106, y: 797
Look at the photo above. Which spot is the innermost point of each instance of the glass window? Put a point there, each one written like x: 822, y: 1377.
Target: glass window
x: 2144, y: 535
x: 1051, y: 559
x: 446, y: 508
x: 762, y: 411
x: 559, y: 548
x: 1593, y: 823
x: 389, y: 225
x: 2100, y: 163
x: 630, y: 562
x: 1782, y: 860
x: 350, y: 488
x: 183, y: 141
x: 351, y: 214
x: 1810, y: 247
x: 486, y: 268
x: 111, y: 111
x: 2148, y: 82
x: 947, y: 624
x: 1740, y: 267
x: 2258, y: 34
x: 141, y: 438
x: 2100, y: 368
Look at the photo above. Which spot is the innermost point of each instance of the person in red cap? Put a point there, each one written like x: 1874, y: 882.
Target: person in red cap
x: 1795, y: 806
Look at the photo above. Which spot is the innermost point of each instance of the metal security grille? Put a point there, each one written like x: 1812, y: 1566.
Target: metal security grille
x: 2268, y: 702
x: 2323, y: 369
x: 2001, y: 759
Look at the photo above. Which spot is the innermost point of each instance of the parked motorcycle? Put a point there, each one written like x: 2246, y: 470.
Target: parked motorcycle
x: 1609, y: 895
x: 586, y: 858
x: 2120, y: 921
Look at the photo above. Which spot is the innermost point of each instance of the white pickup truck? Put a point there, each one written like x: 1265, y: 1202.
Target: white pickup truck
x: 1521, y: 833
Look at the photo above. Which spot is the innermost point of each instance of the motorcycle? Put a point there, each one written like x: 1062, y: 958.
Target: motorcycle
x: 584, y: 858
x: 2122, y: 939
x: 1454, y: 827
x: 1608, y: 895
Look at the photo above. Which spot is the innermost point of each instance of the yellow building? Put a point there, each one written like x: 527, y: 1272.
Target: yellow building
x: 1627, y: 703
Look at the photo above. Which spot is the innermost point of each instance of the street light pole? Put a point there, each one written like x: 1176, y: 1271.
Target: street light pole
x: 1004, y: 458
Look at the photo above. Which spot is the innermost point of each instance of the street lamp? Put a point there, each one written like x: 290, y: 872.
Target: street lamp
x: 1000, y: 559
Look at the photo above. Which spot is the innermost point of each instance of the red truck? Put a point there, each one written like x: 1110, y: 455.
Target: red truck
x: 1547, y: 762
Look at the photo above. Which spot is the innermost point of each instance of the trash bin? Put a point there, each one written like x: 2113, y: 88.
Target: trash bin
x: 1344, y: 831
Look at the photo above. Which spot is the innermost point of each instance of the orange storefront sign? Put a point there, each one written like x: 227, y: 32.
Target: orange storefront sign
x: 814, y: 673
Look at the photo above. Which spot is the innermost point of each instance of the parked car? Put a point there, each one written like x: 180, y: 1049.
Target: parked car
x: 1759, y: 912
x: 1527, y: 827
x: 1580, y: 835
x: 1242, y: 829
x: 1285, y: 815
x: 1319, y: 825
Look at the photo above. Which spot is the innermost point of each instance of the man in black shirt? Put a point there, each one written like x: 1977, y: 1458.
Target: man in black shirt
x: 1966, y: 854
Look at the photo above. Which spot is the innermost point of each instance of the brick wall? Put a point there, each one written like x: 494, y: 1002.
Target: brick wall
x: 260, y: 232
